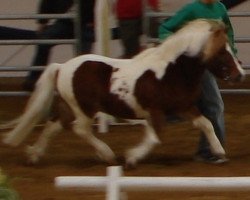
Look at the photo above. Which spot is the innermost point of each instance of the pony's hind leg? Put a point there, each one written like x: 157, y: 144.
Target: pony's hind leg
x: 141, y: 150
x: 37, y: 150
x: 83, y: 128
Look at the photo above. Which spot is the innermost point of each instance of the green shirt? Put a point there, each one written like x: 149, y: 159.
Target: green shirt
x: 197, y: 10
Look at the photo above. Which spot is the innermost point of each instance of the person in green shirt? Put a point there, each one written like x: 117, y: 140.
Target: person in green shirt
x: 210, y: 104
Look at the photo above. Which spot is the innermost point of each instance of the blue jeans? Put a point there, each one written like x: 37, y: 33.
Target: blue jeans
x: 212, y: 107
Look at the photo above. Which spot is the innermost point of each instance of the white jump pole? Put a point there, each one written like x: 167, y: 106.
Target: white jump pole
x: 102, y: 45
x: 114, y: 183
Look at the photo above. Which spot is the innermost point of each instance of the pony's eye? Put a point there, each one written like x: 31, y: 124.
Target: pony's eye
x: 224, y: 68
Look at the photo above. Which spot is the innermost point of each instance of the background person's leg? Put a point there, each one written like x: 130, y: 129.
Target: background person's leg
x: 130, y: 35
x: 8, y: 33
x: 61, y: 29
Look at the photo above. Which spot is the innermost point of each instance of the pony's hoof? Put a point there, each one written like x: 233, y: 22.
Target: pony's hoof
x: 33, y: 154
x: 109, y: 158
x: 8, y: 141
x: 129, y: 165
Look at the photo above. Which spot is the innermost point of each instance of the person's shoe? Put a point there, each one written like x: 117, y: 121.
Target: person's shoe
x: 212, y: 159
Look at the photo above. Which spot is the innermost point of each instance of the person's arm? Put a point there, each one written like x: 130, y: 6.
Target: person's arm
x: 230, y: 31
x: 171, y: 25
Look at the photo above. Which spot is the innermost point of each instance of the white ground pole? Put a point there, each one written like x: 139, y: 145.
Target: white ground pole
x: 114, y: 183
x: 102, y: 45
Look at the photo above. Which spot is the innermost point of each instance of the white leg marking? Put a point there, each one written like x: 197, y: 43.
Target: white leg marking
x: 37, y: 150
x: 141, y: 150
x: 83, y: 128
x: 206, y: 126
x: 19, y: 133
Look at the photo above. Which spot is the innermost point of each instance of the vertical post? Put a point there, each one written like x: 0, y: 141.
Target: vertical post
x: 102, y: 36
x: 145, y: 23
x: 103, y: 123
x: 113, y: 187
x: 78, y: 27
x: 102, y: 27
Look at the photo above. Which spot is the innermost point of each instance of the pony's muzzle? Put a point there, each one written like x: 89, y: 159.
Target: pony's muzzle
x: 238, y: 78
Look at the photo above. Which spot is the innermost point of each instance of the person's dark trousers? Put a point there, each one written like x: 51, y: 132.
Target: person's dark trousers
x: 61, y: 29
x: 130, y: 30
x: 8, y: 33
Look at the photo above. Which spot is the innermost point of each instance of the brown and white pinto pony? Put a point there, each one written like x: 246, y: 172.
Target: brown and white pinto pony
x: 159, y: 81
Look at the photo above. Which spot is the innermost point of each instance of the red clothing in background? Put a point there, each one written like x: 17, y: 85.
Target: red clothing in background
x: 129, y: 9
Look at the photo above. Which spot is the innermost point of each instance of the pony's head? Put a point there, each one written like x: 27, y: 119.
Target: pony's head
x: 215, y: 50
x: 218, y: 56
x: 225, y: 65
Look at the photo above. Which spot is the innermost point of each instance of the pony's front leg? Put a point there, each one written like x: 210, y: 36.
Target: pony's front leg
x: 206, y: 126
x: 37, y: 150
x: 142, y: 149
x: 83, y: 128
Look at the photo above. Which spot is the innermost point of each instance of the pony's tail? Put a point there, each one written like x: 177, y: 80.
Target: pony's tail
x: 38, y: 105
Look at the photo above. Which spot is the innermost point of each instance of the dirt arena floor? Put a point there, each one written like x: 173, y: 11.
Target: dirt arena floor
x: 69, y: 155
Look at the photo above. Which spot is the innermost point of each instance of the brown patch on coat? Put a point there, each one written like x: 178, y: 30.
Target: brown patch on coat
x: 91, y: 86
x: 176, y: 92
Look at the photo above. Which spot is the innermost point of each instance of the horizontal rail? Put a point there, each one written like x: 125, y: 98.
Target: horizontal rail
x: 159, y: 183
x: 237, y: 40
x: 36, y: 16
x: 72, y: 15
x: 16, y: 68
x: 14, y: 93
x: 242, y: 39
x: 235, y: 91
x: 115, y: 183
x: 38, y: 68
x: 170, y: 14
x: 33, y: 42
x: 24, y: 93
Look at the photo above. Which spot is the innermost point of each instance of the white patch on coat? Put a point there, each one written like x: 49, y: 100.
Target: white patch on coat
x: 228, y: 48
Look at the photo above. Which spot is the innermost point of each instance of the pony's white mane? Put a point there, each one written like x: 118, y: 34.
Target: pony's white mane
x: 189, y: 40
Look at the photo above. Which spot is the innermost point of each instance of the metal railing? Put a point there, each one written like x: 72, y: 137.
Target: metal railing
x: 149, y: 14
x: 32, y: 42
x: 33, y: 17
x: 36, y: 16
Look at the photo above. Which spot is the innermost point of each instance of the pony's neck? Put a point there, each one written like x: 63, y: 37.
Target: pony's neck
x: 172, y: 48
x: 182, y: 42
x: 187, y: 71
